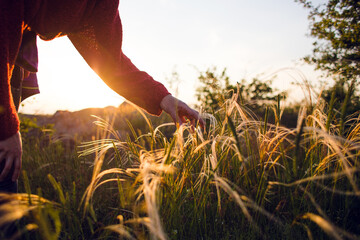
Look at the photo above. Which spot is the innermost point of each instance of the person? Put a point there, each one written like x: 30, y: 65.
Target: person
x: 94, y: 27
x: 23, y: 84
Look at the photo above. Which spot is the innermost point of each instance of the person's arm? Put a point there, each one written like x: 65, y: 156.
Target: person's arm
x: 99, y: 41
x: 94, y: 27
x: 10, y: 142
x: 9, y: 122
x: 180, y: 112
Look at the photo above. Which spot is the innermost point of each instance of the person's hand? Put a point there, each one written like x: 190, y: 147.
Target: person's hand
x: 10, y: 152
x: 180, y: 112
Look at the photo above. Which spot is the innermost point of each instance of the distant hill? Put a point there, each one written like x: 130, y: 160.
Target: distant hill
x: 80, y: 124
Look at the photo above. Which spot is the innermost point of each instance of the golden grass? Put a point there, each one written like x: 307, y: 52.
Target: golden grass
x: 240, y: 161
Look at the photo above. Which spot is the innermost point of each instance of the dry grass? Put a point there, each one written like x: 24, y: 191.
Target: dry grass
x: 240, y: 179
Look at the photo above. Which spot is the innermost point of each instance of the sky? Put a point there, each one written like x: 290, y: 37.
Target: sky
x: 257, y: 38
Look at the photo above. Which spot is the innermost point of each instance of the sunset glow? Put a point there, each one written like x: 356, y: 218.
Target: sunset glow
x: 67, y: 82
x: 248, y: 38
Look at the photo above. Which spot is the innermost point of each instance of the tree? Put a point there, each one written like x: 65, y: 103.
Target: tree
x: 216, y: 88
x: 336, y: 26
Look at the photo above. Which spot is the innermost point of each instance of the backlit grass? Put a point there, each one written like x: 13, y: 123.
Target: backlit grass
x: 240, y: 178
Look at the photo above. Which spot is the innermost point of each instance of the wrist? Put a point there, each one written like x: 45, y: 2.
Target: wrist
x: 165, y: 102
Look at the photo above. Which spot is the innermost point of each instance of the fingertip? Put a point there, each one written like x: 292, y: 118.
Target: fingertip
x: 2, y: 154
x: 2, y: 175
x: 6, y: 169
x: 16, y: 173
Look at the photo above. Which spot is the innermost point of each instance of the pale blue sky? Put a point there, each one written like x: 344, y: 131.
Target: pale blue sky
x: 250, y: 38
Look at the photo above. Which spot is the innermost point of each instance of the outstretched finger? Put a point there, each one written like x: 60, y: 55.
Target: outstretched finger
x: 2, y: 155
x: 7, y: 167
x: 17, y: 168
x: 195, y: 116
x: 183, y: 120
x: 175, y: 119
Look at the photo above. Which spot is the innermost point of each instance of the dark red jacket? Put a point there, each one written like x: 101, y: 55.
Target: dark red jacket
x: 94, y: 27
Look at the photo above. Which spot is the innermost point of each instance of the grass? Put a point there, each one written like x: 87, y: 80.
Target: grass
x: 242, y: 178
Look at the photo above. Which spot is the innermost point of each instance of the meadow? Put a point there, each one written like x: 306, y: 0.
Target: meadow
x: 242, y: 177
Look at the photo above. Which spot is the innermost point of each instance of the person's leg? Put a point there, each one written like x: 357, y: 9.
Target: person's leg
x: 7, y: 185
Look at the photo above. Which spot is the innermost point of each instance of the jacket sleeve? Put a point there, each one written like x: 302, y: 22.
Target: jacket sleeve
x: 99, y: 41
x: 10, y: 37
x: 9, y: 123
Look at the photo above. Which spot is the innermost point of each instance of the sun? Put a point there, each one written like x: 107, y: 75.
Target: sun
x: 66, y: 81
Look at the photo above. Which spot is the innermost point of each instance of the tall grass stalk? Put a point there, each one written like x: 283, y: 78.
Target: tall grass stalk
x: 240, y: 179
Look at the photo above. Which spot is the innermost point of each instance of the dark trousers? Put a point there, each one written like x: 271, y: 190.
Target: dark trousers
x: 8, y: 186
